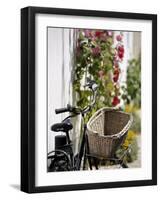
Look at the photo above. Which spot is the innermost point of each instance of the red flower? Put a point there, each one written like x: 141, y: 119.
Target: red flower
x: 98, y: 33
x: 96, y: 51
x: 120, y: 51
x: 115, y: 101
x: 116, y: 74
x: 119, y: 37
x: 115, y: 78
x: 121, y: 55
x: 116, y: 71
x: 121, y: 48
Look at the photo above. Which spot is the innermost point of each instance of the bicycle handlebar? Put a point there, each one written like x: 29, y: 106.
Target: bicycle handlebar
x: 69, y: 108
x: 61, y: 110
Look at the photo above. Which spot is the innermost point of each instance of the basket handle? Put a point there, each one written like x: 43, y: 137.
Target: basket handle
x: 126, y: 128
x: 102, y: 109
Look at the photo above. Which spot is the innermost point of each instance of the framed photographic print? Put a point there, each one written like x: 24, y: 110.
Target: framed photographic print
x: 88, y: 99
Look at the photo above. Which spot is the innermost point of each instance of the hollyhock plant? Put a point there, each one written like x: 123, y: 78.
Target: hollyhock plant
x: 110, y: 33
x: 116, y: 71
x: 99, y: 57
x: 115, y: 101
x: 96, y: 51
x: 116, y: 65
x: 87, y: 33
x: 101, y: 74
x: 98, y: 33
x: 119, y: 38
x: 116, y: 74
x: 103, y: 38
x: 121, y: 48
x: 118, y: 57
x: 120, y: 51
x: 117, y: 89
x: 121, y: 55
x: 115, y: 78
x: 115, y: 62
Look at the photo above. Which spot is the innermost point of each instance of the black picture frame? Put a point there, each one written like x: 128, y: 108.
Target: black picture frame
x: 28, y: 98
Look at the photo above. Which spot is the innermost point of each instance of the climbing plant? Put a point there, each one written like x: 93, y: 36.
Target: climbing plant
x: 98, y: 58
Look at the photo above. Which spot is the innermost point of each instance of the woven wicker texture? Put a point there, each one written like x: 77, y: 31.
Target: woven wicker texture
x: 106, y: 131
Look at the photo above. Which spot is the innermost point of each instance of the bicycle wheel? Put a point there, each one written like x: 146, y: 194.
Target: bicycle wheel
x: 58, y: 160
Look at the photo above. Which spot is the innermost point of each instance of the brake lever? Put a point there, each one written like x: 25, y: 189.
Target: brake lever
x: 73, y: 110
x: 91, y: 84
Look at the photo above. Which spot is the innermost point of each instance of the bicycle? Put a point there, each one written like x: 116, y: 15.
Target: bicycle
x: 63, y: 157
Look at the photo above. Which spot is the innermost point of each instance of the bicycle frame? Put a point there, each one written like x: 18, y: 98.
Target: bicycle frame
x: 76, y: 160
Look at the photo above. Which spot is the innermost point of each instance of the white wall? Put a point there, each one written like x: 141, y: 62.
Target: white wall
x: 60, y: 52
x: 61, y: 44
x: 55, y: 83
x: 10, y: 99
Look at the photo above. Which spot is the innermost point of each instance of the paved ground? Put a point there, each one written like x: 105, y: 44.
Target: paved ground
x: 135, y: 164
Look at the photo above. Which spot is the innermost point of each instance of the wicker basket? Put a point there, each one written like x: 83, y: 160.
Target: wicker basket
x: 106, y: 131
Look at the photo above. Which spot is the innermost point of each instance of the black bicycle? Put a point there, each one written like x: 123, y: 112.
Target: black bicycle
x: 63, y: 157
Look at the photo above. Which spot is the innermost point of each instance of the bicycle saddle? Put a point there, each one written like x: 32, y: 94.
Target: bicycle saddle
x: 63, y: 126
